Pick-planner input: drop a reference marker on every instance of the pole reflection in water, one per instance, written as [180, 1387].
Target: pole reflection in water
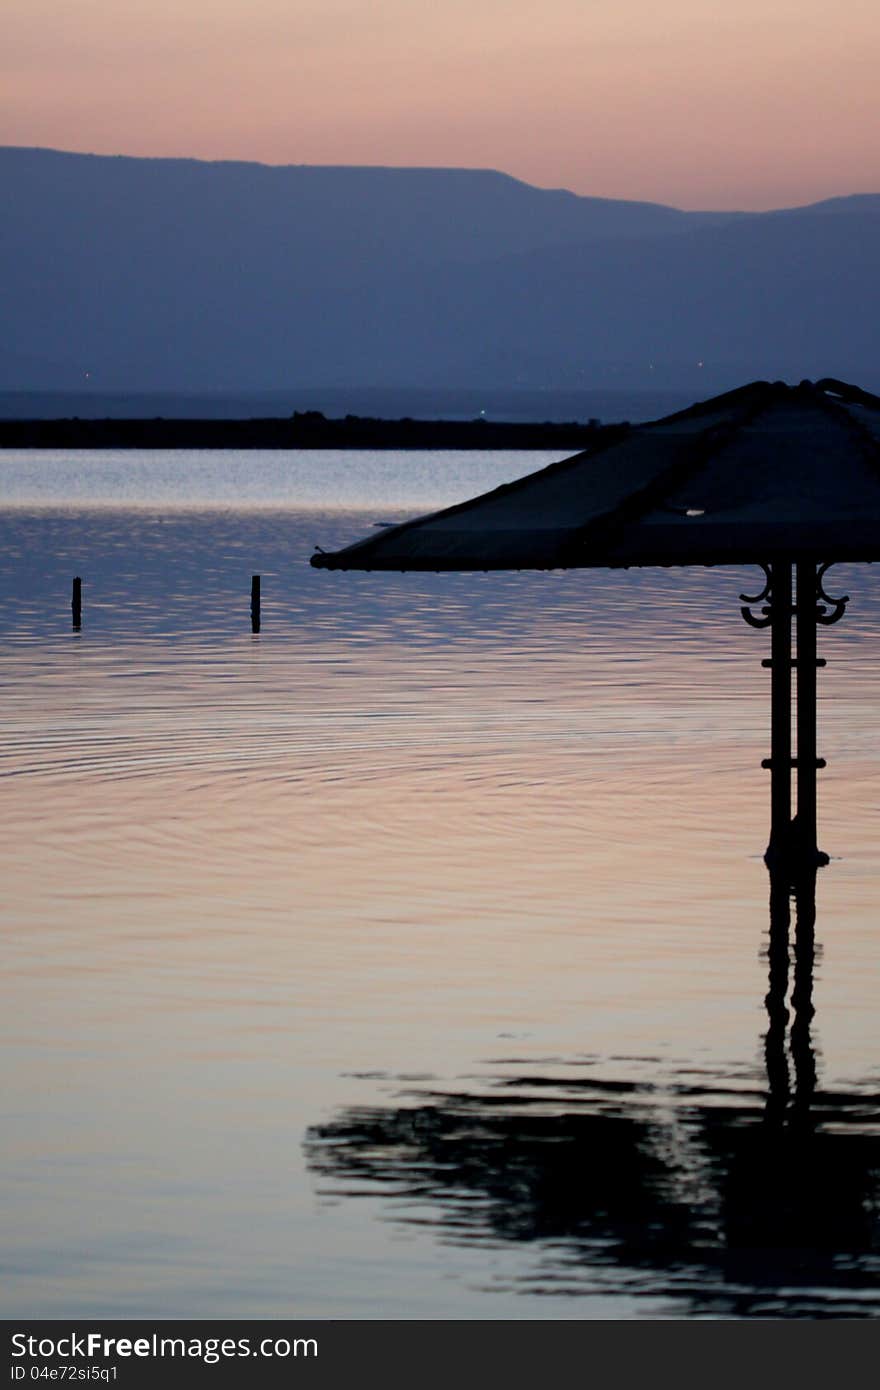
[781, 1042]
[713, 1197]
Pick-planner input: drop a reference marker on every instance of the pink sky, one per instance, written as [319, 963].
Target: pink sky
[698, 103]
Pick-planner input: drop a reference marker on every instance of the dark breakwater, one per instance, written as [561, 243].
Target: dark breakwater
[303, 430]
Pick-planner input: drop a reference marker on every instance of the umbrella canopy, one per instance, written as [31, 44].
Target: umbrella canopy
[764, 473]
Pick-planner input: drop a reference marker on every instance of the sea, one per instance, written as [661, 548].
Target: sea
[411, 953]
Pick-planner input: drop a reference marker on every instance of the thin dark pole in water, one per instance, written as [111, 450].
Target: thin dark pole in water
[76, 604]
[776, 613]
[780, 709]
[807, 832]
[255, 603]
[793, 843]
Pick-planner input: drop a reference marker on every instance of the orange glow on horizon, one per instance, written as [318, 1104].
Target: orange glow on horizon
[694, 105]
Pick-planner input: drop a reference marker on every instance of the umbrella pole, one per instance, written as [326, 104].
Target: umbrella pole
[814, 606]
[793, 843]
[780, 711]
[776, 614]
[804, 828]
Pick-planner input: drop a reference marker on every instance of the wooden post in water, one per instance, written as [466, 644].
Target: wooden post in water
[255, 603]
[76, 604]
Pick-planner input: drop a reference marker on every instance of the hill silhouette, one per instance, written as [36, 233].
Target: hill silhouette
[125, 274]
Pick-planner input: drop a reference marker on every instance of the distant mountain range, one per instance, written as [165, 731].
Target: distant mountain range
[121, 275]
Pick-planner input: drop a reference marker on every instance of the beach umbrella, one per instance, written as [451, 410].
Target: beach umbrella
[783, 477]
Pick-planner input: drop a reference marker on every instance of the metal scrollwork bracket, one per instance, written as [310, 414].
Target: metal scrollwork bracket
[836, 606]
[764, 598]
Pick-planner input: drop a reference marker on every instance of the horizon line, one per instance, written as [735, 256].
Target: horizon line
[444, 168]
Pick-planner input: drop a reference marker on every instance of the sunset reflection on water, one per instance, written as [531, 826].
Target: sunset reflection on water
[422, 836]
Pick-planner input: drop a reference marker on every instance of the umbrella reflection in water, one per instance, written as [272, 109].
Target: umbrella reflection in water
[725, 1198]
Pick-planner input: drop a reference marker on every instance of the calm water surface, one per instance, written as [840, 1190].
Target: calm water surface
[413, 957]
